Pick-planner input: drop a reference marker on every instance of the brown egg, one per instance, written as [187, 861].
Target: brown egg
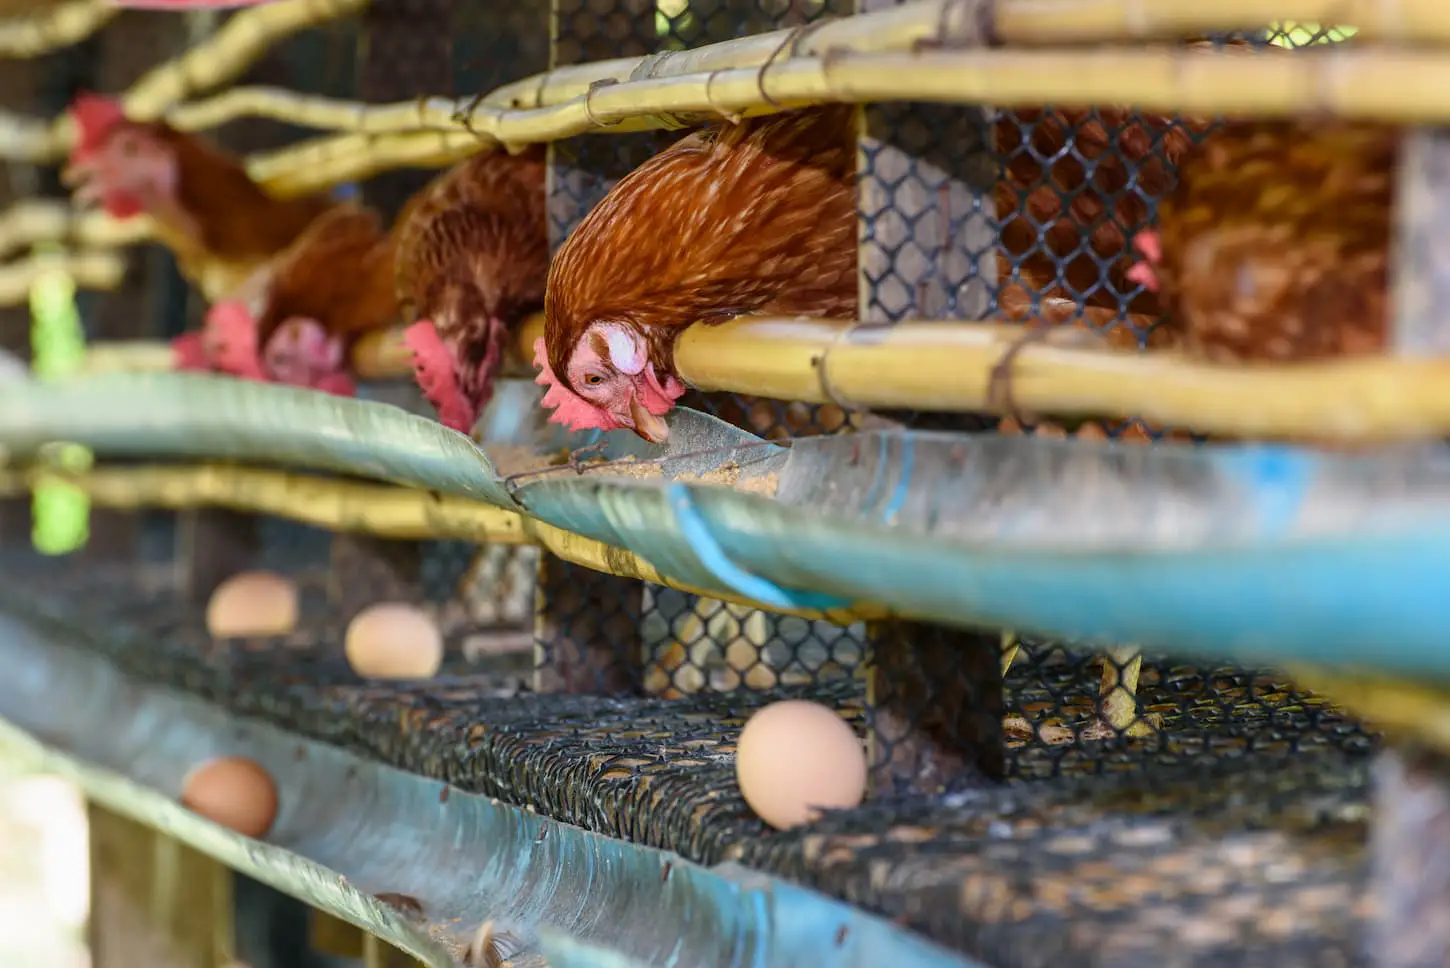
[393, 640]
[234, 792]
[796, 756]
[252, 603]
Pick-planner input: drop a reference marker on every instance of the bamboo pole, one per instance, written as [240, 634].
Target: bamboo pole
[64, 24]
[946, 366]
[128, 356]
[1094, 21]
[1409, 709]
[88, 269]
[234, 47]
[896, 29]
[377, 509]
[37, 220]
[939, 366]
[1368, 83]
[224, 55]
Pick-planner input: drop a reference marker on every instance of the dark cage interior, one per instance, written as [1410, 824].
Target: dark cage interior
[1033, 802]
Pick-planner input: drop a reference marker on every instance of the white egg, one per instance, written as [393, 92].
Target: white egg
[252, 603]
[795, 757]
[394, 640]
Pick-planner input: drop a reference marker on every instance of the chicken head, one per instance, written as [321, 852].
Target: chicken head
[301, 352]
[610, 384]
[116, 163]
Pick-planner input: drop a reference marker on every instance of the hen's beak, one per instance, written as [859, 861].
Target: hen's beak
[647, 425]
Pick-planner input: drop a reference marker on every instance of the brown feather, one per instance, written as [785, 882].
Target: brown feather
[1276, 241]
[224, 225]
[473, 245]
[757, 217]
[338, 272]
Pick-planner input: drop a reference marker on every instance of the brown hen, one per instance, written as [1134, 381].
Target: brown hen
[750, 218]
[328, 288]
[221, 226]
[1275, 244]
[472, 256]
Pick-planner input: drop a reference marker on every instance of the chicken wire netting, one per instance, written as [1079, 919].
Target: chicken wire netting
[963, 216]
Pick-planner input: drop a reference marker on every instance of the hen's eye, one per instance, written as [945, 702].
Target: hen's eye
[593, 379]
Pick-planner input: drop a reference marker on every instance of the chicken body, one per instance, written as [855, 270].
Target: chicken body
[1275, 245]
[472, 257]
[332, 285]
[750, 218]
[221, 226]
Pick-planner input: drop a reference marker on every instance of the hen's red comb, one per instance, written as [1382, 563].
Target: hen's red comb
[95, 116]
[1150, 247]
[434, 369]
[570, 409]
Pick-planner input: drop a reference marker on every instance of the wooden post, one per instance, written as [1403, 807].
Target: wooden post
[934, 695]
[365, 570]
[935, 705]
[333, 936]
[1410, 860]
[155, 903]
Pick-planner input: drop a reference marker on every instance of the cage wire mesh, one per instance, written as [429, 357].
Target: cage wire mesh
[958, 206]
[947, 228]
[1103, 165]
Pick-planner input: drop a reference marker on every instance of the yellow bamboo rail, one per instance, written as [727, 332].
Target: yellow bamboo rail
[897, 29]
[37, 220]
[947, 366]
[63, 24]
[377, 509]
[1398, 706]
[1364, 83]
[88, 269]
[224, 55]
